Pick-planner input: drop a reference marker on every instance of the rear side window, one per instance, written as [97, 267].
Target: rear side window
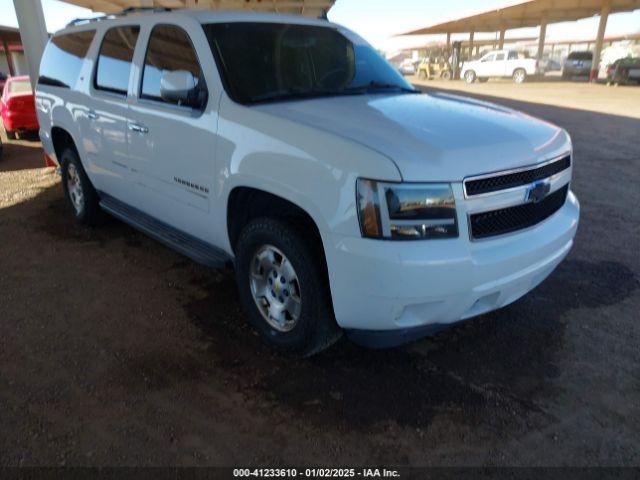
[114, 60]
[170, 49]
[63, 57]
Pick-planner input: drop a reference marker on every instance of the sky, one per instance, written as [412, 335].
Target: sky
[379, 21]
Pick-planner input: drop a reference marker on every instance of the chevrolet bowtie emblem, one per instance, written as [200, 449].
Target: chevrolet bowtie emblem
[537, 191]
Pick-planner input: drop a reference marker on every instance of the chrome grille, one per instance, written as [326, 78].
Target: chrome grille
[515, 178]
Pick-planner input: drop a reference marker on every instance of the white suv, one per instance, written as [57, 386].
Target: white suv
[346, 200]
[501, 63]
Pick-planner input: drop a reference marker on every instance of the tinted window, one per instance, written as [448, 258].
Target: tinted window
[580, 56]
[499, 57]
[169, 50]
[63, 57]
[275, 61]
[489, 58]
[114, 60]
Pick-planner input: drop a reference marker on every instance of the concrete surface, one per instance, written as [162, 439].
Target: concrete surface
[574, 95]
[117, 351]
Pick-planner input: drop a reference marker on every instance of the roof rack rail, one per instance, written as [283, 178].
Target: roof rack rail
[126, 11]
[129, 10]
[80, 21]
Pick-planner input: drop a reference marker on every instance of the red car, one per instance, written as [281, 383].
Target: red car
[18, 106]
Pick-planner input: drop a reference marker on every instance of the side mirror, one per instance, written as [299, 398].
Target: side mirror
[178, 86]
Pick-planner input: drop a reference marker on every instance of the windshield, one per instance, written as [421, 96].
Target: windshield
[262, 62]
[20, 86]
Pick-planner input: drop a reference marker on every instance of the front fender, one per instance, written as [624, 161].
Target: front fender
[311, 168]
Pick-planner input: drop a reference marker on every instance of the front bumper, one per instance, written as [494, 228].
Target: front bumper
[399, 288]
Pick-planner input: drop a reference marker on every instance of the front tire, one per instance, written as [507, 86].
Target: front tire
[519, 75]
[11, 135]
[469, 76]
[78, 189]
[283, 288]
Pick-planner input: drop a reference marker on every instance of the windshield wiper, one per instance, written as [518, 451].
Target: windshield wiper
[374, 86]
[357, 90]
[289, 95]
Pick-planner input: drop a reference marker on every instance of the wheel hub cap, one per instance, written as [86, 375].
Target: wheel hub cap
[275, 288]
[75, 188]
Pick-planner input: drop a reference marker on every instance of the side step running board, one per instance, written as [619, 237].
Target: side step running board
[184, 243]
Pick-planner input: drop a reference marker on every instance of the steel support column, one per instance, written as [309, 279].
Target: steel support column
[541, 38]
[595, 66]
[7, 53]
[471, 35]
[501, 42]
[33, 32]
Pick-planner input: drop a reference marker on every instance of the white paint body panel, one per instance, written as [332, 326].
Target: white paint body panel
[311, 153]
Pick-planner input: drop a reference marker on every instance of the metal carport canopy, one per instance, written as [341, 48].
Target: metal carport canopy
[311, 8]
[33, 28]
[528, 14]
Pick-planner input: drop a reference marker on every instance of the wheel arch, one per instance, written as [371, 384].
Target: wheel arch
[245, 203]
[61, 138]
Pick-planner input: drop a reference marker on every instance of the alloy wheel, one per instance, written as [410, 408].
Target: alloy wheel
[275, 288]
[74, 187]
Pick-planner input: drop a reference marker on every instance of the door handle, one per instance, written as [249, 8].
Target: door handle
[92, 115]
[134, 127]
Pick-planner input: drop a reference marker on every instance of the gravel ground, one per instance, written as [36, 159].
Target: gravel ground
[117, 351]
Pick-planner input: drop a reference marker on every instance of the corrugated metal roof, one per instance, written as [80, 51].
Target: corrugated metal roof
[527, 13]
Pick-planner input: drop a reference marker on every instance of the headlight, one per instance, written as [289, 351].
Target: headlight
[406, 211]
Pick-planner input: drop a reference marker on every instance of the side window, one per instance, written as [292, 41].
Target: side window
[489, 58]
[513, 56]
[170, 50]
[114, 60]
[63, 57]
[499, 57]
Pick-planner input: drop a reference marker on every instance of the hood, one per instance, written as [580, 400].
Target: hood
[432, 136]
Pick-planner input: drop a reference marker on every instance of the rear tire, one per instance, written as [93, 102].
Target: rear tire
[283, 288]
[469, 76]
[11, 135]
[446, 75]
[82, 197]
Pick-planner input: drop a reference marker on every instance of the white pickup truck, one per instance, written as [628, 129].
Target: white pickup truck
[501, 63]
[346, 199]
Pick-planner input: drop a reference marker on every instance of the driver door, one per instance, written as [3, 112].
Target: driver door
[172, 145]
[485, 66]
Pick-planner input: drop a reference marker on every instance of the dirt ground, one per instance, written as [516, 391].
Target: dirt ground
[117, 351]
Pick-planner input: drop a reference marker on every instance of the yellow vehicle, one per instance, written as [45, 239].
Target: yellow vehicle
[431, 68]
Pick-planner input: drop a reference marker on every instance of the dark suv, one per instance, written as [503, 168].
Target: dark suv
[577, 64]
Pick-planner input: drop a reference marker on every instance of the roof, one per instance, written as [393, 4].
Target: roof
[310, 8]
[527, 14]
[202, 16]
